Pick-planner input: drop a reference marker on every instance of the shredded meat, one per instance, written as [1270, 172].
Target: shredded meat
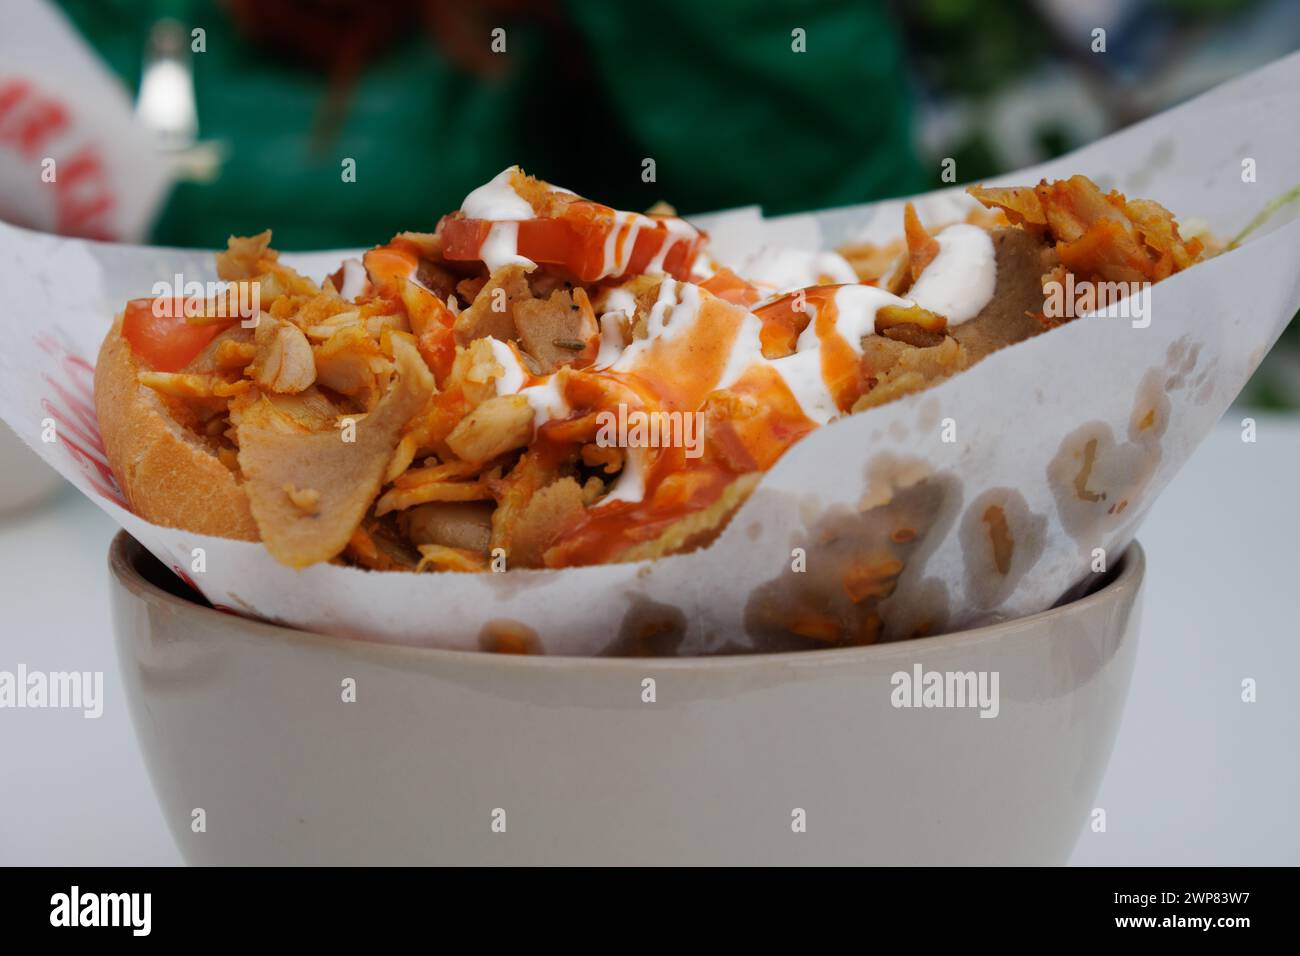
[1099, 236]
[245, 256]
[495, 427]
[559, 330]
[893, 369]
[492, 311]
[454, 524]
[389, 431]
[346, 475]
[1009, 317]
[548, 514]
[283, 361]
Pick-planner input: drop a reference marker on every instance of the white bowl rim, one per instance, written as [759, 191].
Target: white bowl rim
[1128, 576]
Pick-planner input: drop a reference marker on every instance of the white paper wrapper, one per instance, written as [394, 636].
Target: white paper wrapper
[1061, 443]
[73, 158]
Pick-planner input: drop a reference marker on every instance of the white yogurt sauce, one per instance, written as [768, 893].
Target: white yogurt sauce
[617, 255]
[546, 399]
[703, 268]
[679, 230]
[856, 307]
[618, 307]
[780, 269]
[673, 313]
[501, 248]
[957, 284]
[802, 374]
[513, 375]
[630, 485]
[497, 200]
[621, 242]
[960, 280]
[611, 339]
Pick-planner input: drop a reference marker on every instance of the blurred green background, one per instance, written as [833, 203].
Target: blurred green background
[587, 90]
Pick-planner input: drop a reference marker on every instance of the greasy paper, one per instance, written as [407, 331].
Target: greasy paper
[986, 497]
[73, 158]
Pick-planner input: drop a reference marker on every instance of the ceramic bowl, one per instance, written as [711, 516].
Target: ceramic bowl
[24, 479]
[269, 745]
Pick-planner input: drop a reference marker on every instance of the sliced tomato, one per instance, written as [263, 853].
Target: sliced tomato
[577, 242]
[163, 342]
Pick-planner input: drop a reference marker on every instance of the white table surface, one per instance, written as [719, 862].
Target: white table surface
[1197, 776]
